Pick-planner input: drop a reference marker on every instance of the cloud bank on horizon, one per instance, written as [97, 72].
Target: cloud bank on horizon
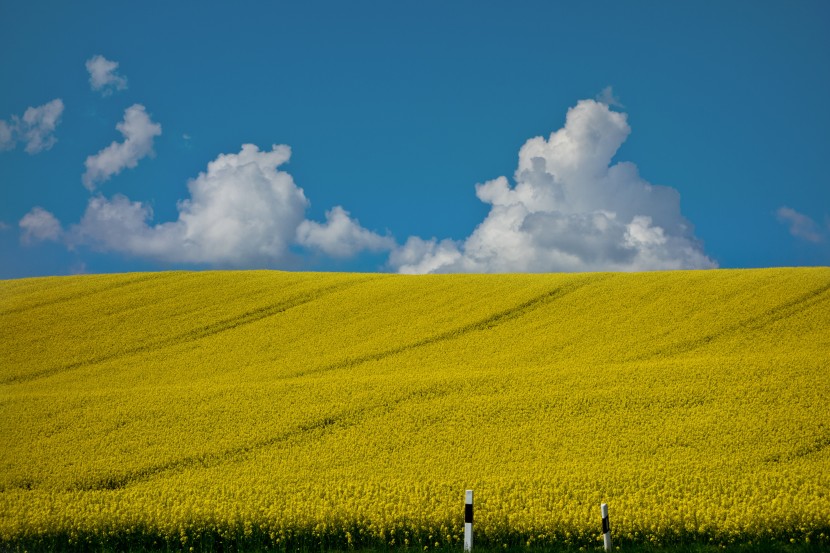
[570, 207]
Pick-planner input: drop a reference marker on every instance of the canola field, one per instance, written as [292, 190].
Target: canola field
[331, 411]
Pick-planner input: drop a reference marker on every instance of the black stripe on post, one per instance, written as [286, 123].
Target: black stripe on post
[606, 527]
[468, 513]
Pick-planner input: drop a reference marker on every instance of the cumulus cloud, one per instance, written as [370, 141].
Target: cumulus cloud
[570, 209]
[103, 77]
[39, 225]
[242, 212]
[341, 236]
[801, 226]
[35, 129]
[138, 131]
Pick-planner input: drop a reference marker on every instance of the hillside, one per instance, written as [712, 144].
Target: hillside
[342, 409]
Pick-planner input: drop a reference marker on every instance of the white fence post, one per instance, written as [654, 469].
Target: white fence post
[468, 521]
[606, 527]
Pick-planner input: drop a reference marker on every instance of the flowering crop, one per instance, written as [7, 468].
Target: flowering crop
[340, 410]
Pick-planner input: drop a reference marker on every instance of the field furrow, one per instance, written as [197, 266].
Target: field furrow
[489, 322]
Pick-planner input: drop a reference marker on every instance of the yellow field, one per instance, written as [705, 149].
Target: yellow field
[337, 409]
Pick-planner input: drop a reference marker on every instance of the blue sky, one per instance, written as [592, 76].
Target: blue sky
[413, 136]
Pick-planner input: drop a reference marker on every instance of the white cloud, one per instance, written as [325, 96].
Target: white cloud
[571, 209]
[801, 226]
[39, 225]
[138, 131]
[341, 236]
[242, 212]
[36, 128]
[103, 77]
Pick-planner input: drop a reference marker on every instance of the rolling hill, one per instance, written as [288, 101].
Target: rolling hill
[346, 410]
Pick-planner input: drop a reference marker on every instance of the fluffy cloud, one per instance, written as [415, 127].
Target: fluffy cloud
[36, 128]
[341, 236]
[103, 77]
[242, 212]
[801, 226]
[571, 209]
[138, 132]
[39, 225]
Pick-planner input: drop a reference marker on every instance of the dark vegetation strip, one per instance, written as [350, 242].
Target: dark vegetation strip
[757, 322]
[817, 446]
[196, 333]
[484, 324]
[239, 453]
[353, 540]
[207, 460]
[122, 283]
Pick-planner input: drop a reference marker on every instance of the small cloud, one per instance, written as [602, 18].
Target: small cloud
[607, 97]
[341, 236]
[39, 124]
[39, 225]
[186, 137]
[801, 226]
[103, 77]
[4, 226]
[138, 131]
[36, 128]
